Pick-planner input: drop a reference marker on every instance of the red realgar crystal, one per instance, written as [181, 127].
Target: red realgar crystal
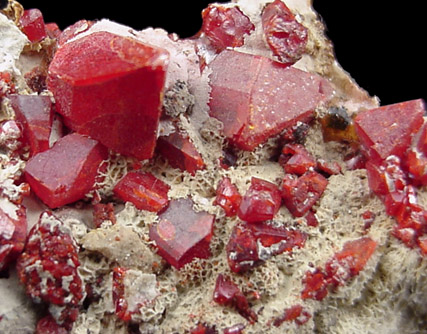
[286, 37]
[144, 190]
[296, 159]
[294, 313]
[256, 98]
[35, 114]
[110, 88]
[182, 234]
[66, 172]
[228, 197]
[32, 25]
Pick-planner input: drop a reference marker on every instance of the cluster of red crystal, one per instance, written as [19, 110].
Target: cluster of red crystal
[243, 250]
[7, 87]
[285, 36]
[228, 197]
[228, 293]
[32, 25]
[35, 114]
[225, 26]
[393, 139]
[180, 152]
[66, 172]
[256, 98]
[48, 268]
[144, 190]
[13, 233]
[294, 313]
[339, 269]
[110, 87]
[182, 234]
[48, 325]
[103, 212]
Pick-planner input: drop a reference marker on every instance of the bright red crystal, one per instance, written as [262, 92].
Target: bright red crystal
[6, 85]
[286, 37]
[180, 152]
[261, 202]
[225, 26]
[228, 293]
[316, 286]
[48, 267]
[228, 197]
[35, 114]
[388, 130]
[48, 325]
[110, 88]
[182, 234]
[13, 233]
[296, 159]
[66, 172]
[204, 329]
[294, 313]
[144, 190]
[53, 30]
[328, 168]
[256, 98]
[32, 25]
[300, 194]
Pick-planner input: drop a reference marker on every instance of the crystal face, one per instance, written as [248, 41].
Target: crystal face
[182, 234]
[228, 197]
[32, 25]
[66, 172]
[110, 88]
[256, 98]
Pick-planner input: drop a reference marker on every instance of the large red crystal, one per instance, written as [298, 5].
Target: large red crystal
[180, 152]
[144, 190]
[66, 172]
[228, 197]
[182, 234]
[388, 130]
[35, 114]
[256, 98]
[32, 25]
[228, 293]
[261, 202]
[13, 232]
[286, 37]
[225, 26]
[48, 267]
[110, 88]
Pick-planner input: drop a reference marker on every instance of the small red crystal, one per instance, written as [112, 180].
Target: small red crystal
[103, 212]
[294, 313]
[180, 152]
[182, 234]
[286, 37]
[35, 114]
[53, 30]
[203, 329]
[228, 197]
[48, 325]
[328, 168]
[236, 329]
[144, 190]
[261, 202]
[13, 233]
[66, 172]
[256, 98]
[300, 194]
[32, 25]
[315, 285]
[296, 159]
[225, 26]
[110, 88]
[228, 293]
[388, 130]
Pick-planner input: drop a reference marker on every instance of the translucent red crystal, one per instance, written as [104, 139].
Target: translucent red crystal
[49, 258]
[144, 190]
[35, 114]
[299, 194]
[261, 201]
[48, 325]
[296, 159]
[228, 197]
[66, 172]
[182, 234]
[202, 328]
[225, 26]
[32, 25]
[13, 233]
[245, 96]
[388, 130]
[285, 36]
[229, 294]
[110, 88]
[294, 313]
[180, 152]
[315, 285]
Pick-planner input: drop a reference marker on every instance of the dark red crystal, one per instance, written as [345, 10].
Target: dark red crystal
[35, 114]
[103, 212]
[66, 172]
[182, 234]
[32, 25]
[286, 37]
[228, 197]
[144, 190]
[296, 159]
[294, 313]
[110, 88]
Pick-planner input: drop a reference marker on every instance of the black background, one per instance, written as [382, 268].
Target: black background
[380, 43]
